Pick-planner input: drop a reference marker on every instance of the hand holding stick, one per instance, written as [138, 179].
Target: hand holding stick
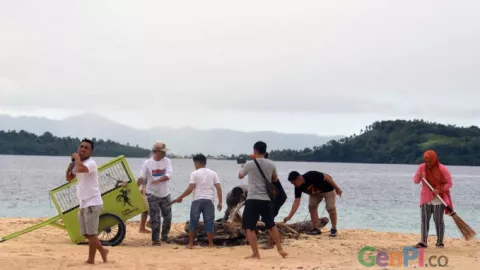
[467, 232]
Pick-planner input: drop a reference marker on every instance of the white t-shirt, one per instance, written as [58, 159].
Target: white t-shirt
[88, 188]
[204, 180]
[152, 170]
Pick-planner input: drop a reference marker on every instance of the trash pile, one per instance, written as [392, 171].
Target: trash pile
[230, 233]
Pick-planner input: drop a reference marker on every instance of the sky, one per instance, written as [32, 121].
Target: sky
[322, 67]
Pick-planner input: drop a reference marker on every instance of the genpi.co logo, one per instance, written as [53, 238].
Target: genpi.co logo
[369, 256]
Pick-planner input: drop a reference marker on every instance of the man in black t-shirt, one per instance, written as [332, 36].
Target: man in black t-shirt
[318, 186]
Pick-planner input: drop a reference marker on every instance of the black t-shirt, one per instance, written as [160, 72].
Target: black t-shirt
[314, 183]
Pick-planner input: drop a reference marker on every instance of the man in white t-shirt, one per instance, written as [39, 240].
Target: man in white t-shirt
[84, 168]
[156, 174]
[203, 182]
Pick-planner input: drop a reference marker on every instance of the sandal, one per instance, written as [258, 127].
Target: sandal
[440, 245]
[420, 245]
[314, 232]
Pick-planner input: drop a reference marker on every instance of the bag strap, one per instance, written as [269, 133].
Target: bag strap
[260, 169]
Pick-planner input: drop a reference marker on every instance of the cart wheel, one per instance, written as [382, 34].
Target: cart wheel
[112, 230]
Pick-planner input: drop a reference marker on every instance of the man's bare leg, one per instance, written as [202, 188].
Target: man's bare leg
[103, 251]
[333, 218]
[143, 222]
[210, 240]
[93, 245]
[92, 249]
[252, 240]
[314, 216]
[191, 236]
[275, 235]
[270, 243]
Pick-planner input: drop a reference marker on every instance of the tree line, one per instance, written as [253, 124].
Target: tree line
[394, 142]
[25, 143]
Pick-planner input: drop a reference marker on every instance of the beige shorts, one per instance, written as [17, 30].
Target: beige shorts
[315, 200]
[88, 219]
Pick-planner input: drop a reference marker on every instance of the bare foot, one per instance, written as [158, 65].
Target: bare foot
[189, 246]
[253, 257]
[90, 262]
[283, 253]
[144, 231]
[212, 246]
[104, 254]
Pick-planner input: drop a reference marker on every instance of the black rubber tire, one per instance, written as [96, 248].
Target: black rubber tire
[120, 234]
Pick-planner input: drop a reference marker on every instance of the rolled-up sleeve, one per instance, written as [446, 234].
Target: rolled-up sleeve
[92, 166]
[143, 174]
[143, 171]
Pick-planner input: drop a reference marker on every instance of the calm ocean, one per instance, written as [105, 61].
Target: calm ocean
[377, 197]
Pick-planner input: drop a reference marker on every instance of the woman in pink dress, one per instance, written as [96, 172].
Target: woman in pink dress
[441, 180]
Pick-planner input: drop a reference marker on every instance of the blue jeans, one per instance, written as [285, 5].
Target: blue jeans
[205, 207]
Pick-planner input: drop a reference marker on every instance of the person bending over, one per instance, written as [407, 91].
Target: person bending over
[237, 195]
[318, 186]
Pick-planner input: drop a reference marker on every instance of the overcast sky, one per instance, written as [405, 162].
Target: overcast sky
[325, 67]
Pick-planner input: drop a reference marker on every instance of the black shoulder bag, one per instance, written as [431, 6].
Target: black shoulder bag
[271, 188]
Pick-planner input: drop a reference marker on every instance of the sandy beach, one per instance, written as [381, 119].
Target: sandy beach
[51, 248]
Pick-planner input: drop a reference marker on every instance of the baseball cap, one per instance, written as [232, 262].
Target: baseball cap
[159, 145]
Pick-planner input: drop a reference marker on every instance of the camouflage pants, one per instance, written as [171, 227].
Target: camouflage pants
[159, 206]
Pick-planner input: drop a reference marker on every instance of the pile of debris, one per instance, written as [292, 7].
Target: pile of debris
[230, 233]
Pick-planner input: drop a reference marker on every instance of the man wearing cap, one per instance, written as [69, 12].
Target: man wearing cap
[156, 172]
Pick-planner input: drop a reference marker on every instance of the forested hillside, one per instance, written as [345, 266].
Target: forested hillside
[25, 143]
[396, 142]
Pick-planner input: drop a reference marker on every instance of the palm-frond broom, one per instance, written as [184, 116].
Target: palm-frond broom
[467, 232]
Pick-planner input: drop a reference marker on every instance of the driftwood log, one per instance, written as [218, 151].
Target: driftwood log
[231, 233]
[306, 226]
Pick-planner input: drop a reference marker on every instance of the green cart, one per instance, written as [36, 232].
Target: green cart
[121, 197]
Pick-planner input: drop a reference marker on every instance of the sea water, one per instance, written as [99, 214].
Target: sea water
[379, 197]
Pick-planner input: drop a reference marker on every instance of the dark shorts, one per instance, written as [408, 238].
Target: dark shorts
[275, 209]
[254, 209]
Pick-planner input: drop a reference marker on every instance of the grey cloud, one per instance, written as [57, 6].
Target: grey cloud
[365, 57]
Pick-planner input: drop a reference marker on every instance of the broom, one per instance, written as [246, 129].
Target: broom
[467, 232]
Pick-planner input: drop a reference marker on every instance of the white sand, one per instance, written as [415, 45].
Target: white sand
[51, 248]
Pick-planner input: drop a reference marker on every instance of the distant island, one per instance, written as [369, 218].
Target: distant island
[182, 141]
[393, 142]
[396, 142]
